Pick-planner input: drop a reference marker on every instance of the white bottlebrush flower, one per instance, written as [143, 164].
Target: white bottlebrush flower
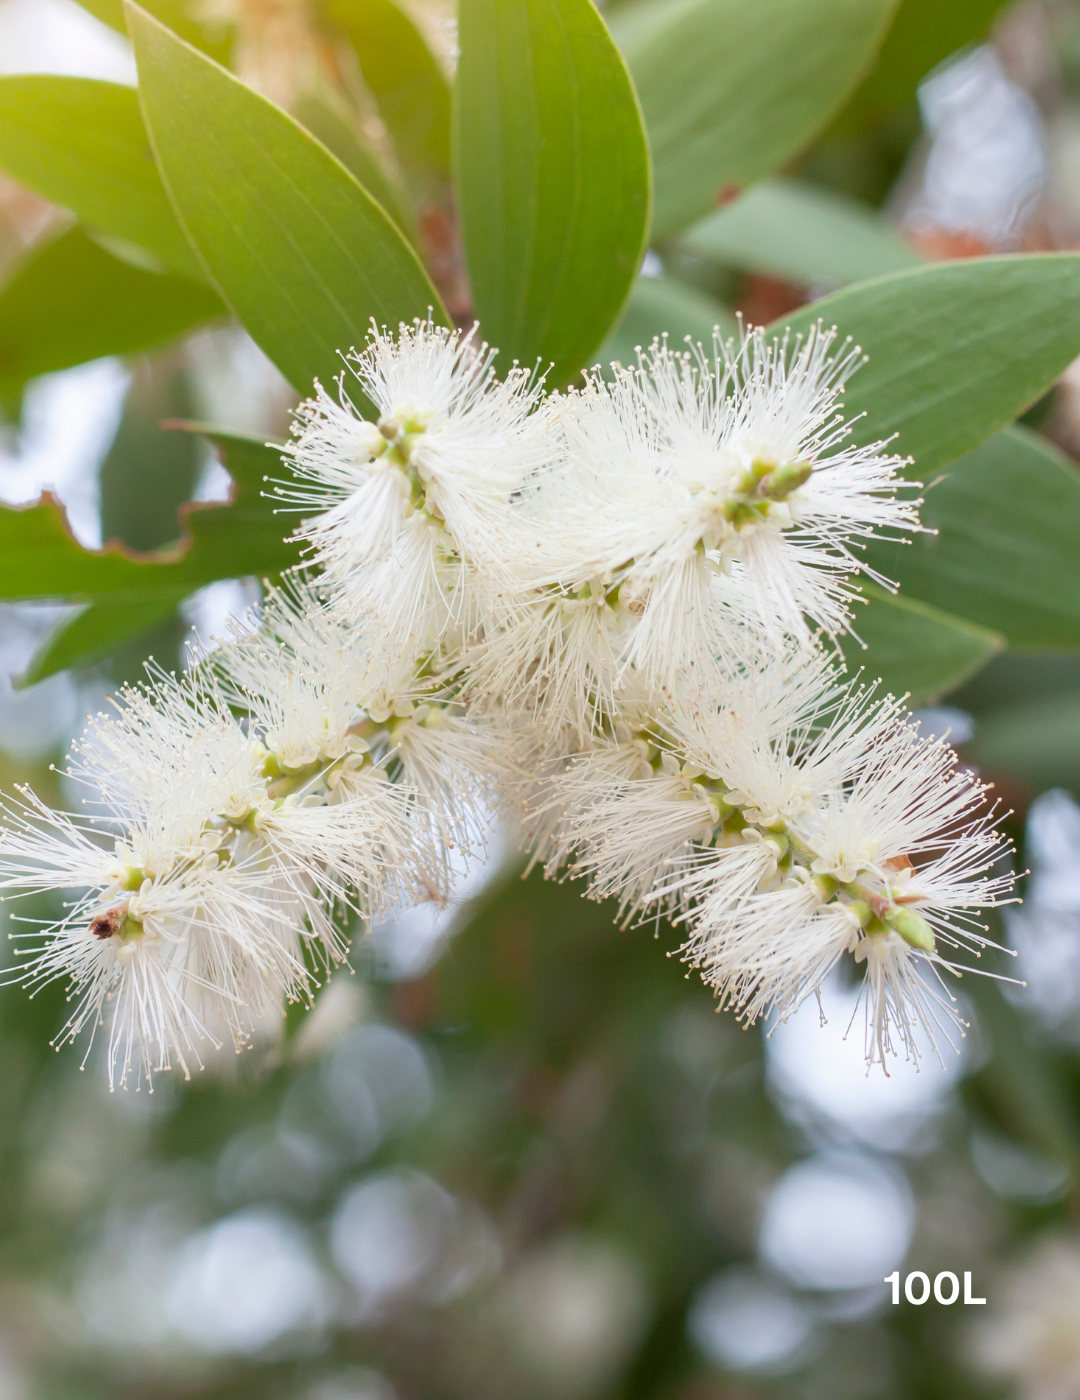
[562, 769]
[623, 820]
[626, 831]
[700, 494]
[328, 703]
[401, 512]
[207, 889]
[598, 611]
[552, 660]
[902, 848]
[164, 937]
[325, 832]
[763, 935]
[793, 820]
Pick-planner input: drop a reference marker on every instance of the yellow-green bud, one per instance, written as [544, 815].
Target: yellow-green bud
[271, 767]
[780, 840]
[911, 927]
[130, 928]
[781, 481]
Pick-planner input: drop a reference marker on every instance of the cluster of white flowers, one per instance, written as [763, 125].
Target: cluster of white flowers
[609, 613]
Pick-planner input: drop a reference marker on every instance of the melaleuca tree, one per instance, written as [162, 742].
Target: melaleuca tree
[643, 556]
[555, 540]
[610, 611]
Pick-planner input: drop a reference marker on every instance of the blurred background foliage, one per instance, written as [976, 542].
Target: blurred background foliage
[515, 1153]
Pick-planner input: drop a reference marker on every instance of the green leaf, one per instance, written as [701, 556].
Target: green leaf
[131, 592]
[149, 473]
[923, 33]
[213, 36]
[325, 116]
[95, 632]
[303, 255]
[732, 89]
[552, 173]
[74, 302]
[1036, 743]
[664, 305]
[39, 559]
[801, 232]
[914, 648]
[405, 79]
[1023, 1080]
[82, 144]
[1006, 554]
[1017, 677]
[957, 350]
[110, 12]
[247, 537]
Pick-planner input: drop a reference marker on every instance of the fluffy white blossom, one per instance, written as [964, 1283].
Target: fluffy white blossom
[553, 660]
[402, 512]
[595, 612]
[692, 496]
[790, 821]
[322, 690]
[207, 890]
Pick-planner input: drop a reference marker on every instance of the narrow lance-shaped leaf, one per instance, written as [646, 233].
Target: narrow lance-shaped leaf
[209, 34]
[149, 474]
[915, 649]
[801, 232]
[82, 144]
[1004, 553]
[242, 538]
[956, 351]
[96, 631]
[304, 256]
[405, 79]
[552, 174]
[323, 114]
[731, 90]
[923, 33]
[40, 560]
[73, 301]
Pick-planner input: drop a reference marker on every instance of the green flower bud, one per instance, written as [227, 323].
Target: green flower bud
[781, 481]
[780, 840]
[911, 927]
[130, 928]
